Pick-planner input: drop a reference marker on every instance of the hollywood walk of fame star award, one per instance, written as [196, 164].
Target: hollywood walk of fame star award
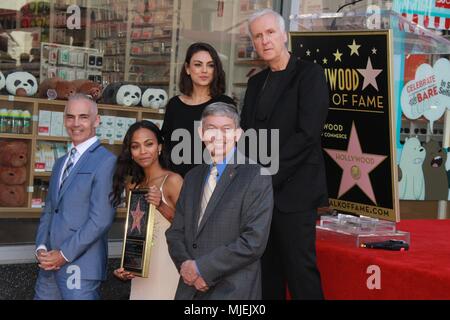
[358, 137]
[137, 241]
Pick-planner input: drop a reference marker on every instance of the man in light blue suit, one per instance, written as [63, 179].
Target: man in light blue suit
[72, 238]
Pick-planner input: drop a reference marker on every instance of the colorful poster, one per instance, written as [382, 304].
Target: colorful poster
[358, 137]
[434, 14]
[424, 99]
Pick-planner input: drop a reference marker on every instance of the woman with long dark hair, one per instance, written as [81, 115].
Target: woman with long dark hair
[141, 164]
[202, 82]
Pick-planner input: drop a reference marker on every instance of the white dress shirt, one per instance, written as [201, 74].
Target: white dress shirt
[81, 149]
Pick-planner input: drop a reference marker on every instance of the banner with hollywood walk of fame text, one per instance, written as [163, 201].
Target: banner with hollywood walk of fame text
[358, 137]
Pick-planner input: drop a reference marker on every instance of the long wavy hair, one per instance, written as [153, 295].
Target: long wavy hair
[126, 167]
[217, 85]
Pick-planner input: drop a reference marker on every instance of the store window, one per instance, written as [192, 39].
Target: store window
[108, 42]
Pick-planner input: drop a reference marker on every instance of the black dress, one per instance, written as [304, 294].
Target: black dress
[180, 115]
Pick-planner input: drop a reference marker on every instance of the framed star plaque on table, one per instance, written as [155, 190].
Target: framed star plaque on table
[358, 138]
[138, 234]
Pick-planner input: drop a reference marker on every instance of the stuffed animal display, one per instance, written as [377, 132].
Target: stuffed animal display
[13, 153]
[89, 87]
[154, 98]
[12, 196]
[57, 88]
[2, 81]
[13, 173]
[21, 83]
[131, 95]
[122, 94]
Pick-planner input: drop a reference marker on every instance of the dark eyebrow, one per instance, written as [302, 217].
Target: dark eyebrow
[80, 115]
[210, 61]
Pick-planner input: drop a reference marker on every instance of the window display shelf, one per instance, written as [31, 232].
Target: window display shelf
[52, 138]
[43, 150]
[38, 174]
[19, 213]
[16, 136]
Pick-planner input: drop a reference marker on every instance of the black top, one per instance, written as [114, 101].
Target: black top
[272, 83]
[298, 108]
[179, 115]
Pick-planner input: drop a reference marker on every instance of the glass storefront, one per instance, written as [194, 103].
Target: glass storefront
[142, 42]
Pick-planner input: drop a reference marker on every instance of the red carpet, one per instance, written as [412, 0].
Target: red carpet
[423, 272]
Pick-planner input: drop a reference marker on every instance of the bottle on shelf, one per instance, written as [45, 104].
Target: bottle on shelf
[16, 121]
[7, 122]
[26, 118]
[3, 120]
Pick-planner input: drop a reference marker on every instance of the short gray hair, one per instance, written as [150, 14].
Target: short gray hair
[222, 109]
[257, 14]
[83, 97]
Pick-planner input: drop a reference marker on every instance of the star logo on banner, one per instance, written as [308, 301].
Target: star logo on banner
[137, 215]
[354, 48]
[337, 56]
[325, 60]
[308, 53]
[374, 50]
[356, 166]
[370, 74]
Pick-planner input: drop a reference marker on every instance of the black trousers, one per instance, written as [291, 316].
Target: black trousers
[290, 257]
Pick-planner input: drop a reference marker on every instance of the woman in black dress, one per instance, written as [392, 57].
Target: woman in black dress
[202, 82]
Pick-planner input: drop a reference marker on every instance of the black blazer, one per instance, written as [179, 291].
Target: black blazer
[299, 110]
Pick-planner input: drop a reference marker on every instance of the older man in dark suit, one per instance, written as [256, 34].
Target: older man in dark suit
[222, 217]
[291, 96]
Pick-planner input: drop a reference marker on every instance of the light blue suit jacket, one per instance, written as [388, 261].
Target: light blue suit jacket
[77, 218]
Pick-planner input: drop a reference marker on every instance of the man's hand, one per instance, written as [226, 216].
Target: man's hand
[201, 285]
[52, 260]
[188, 272]
[40, 254]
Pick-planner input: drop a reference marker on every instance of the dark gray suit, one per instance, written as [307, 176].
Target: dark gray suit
[232, 236]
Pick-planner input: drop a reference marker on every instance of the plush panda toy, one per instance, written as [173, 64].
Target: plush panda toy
[2, 81]
[20, 83]
[154, 98]
[122, 94]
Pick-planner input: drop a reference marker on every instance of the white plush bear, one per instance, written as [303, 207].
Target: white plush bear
[2, 81]
[154, 98]
[21, 83]
[412, 183]
[128, 95]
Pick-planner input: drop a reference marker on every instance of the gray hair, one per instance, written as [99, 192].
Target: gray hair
[83, 97]
[222, 109]
[257, 14]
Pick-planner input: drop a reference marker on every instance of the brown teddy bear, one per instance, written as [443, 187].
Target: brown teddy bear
[14, 153]
[12, 196]
[13, 176]
[89, 87]
[46, 86]
[56, 88]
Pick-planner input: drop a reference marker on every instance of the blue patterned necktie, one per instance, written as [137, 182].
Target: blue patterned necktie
[69, 166]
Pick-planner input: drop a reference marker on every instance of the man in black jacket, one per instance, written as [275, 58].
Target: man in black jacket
[291, 95]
